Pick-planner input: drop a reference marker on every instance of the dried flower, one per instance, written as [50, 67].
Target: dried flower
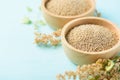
[54, 41]
[26, 20]
[29, 9]
[97, 14]
[57, 33]
[109, 65]
[103, 69]
[47, 39]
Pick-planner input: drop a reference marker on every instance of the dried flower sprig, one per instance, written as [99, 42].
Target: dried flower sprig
[48, 39]
[26, 20]
[52, 39]
[103, 69]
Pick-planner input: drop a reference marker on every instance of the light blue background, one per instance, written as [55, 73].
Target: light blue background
[20, 59]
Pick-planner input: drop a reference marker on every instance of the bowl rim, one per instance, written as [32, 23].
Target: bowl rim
[43, 7]
[65, 42]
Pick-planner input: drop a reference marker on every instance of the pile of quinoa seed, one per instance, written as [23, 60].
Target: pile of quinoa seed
[68, 7]
[91, 38]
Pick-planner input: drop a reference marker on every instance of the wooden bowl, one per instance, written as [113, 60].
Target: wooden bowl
[81, 57]
[57, 21]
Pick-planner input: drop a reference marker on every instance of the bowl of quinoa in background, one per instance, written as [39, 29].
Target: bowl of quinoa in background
[87, 39]
[58, 12]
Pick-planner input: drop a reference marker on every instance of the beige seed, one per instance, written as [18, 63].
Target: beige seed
[91, 38]
[68, 7]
